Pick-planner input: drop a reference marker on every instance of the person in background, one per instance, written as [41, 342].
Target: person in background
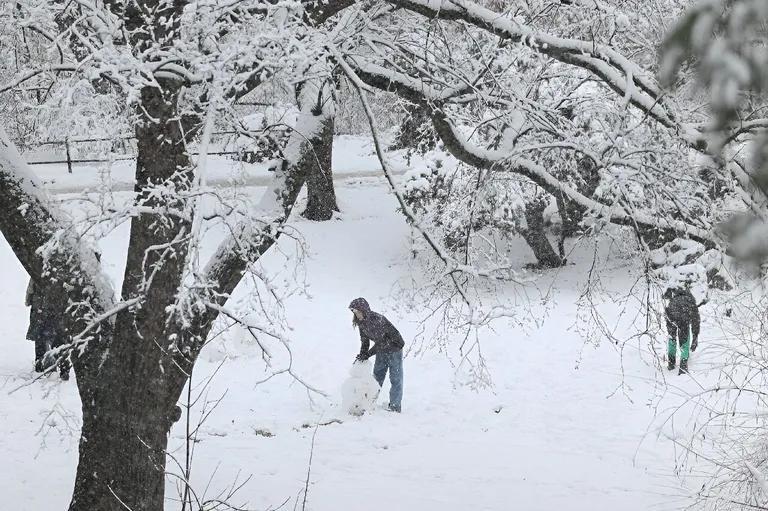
[387, 348]
[683, 325]
[46, 328]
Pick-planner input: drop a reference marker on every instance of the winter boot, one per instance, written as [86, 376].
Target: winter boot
[683, 366]
[671, 364]
[393, 408]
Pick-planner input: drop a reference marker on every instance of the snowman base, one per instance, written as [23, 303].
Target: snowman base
[360, 391]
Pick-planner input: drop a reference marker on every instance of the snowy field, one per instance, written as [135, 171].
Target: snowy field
[555, 431]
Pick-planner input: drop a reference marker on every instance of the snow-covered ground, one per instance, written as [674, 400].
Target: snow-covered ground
[550, 434]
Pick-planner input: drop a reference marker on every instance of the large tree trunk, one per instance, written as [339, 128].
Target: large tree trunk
[122, 460]
[129, 400]
[321, 195]
[125, 426]
[536, 237]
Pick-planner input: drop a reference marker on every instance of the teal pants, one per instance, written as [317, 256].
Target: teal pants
[685, 344]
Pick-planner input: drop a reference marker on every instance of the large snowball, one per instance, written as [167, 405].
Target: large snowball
[360, 390]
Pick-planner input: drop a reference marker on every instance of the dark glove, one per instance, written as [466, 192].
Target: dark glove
[361, 358]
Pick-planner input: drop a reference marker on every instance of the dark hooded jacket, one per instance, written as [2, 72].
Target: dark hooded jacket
[375, 327]
[45, 321]
[682, 312]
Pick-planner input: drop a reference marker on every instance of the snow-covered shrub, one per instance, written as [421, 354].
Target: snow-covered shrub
[677, 253]
[718, 266]
[424, 185]
[687, 261]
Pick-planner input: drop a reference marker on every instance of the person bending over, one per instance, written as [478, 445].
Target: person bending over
[387, 348]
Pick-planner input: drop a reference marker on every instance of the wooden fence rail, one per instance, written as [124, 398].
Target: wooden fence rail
[70, 161]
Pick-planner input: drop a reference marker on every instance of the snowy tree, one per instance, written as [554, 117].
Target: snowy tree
[177, 66]
[534, 114]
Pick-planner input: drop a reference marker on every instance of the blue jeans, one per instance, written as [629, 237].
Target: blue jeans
[393, 362]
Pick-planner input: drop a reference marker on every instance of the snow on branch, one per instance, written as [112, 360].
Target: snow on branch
[388, 75]
[318, 12]
[466, 152]
[69, 68]
[256, 234]
[762, 482]
[498, 160]
[618, 72]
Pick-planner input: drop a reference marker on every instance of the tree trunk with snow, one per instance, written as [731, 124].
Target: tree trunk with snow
[571, 212]
[122, 460]
[535, 235]
[125, 425]
[314, 133]
[321, 195]
[129, 397]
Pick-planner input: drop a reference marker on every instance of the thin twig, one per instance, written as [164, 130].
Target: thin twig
[309, 467]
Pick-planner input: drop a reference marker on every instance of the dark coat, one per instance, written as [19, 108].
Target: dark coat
[45, 321]
[375, 327]
[682, 313]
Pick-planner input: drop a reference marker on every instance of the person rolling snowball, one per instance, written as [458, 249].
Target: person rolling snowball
[387, 348]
